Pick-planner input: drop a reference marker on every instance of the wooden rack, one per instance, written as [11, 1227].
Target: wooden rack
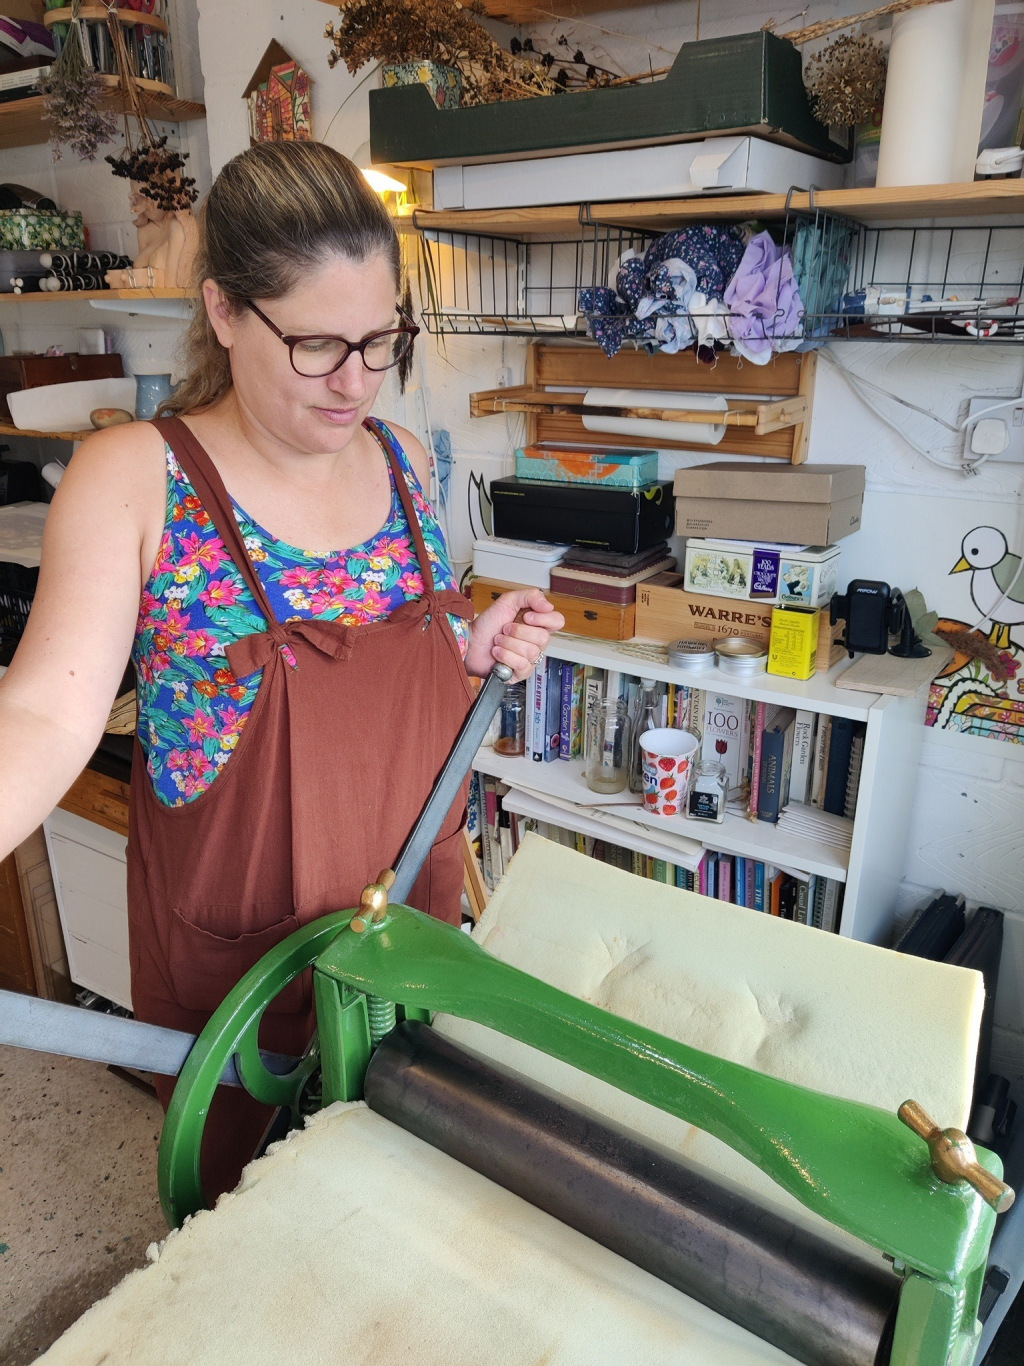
[768, 414]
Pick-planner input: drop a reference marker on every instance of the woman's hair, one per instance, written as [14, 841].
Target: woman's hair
[273, 213]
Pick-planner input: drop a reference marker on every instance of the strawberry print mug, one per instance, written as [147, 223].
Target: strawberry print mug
[668, 759]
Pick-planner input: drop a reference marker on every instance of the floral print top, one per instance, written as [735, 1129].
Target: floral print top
[192, 708]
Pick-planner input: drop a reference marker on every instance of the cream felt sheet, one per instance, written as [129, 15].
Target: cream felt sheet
[813, 1008]
[356, 1244]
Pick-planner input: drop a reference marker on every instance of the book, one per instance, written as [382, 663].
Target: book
[749, 895]
[553, 709]
[725, 877]
[739, 870]
[802, 902]
[821, 748]
[803, 757]
[778, 730]
[565, 717]
[788, 898]
[853, 776]
[757, 718]
[539, 709]
[758, 886]
[838, 769]
[775, 902]
[830, 905]
[576, 722]
[726, 736]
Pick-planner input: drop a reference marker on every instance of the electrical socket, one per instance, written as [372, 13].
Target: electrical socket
[1013, 420]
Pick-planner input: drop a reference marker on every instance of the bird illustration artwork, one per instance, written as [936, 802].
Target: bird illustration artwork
[994, 570]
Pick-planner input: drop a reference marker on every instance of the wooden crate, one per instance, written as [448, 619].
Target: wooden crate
[583, 616]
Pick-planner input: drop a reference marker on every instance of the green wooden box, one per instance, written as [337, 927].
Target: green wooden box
[747, 83]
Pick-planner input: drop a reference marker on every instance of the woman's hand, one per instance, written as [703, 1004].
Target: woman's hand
[496, 635]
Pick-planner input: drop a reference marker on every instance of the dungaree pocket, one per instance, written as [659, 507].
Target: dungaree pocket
[204, 966]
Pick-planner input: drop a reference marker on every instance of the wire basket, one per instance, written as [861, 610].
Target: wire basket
[17, 589]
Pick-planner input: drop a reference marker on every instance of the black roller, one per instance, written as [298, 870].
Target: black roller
[821, 1305]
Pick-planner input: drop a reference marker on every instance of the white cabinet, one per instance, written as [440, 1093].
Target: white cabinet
[866, 853]
[90, 878]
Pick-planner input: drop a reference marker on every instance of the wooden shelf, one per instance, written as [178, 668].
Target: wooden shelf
[536, 11]
[22, 123]
[66, 296]
[98, 14]
[762, 417]
[977, 199]
[9, 429]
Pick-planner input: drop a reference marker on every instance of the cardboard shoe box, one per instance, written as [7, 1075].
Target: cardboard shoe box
[799, 504]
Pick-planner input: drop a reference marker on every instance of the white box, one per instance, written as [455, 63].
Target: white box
[712, 166]
[524, 562]
[756, 571]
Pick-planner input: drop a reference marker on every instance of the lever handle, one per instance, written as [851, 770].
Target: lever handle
[954, 1158]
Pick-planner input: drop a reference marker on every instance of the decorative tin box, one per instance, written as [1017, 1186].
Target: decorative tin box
[573, 465]
[32, 230]
[802, 576]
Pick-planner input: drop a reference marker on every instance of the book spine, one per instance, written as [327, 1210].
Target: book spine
[565, 719]
[817, 898]
[553, 710]
[724, 878]
[853, 777]
[702, 875]
[802, 903]
[637, 864]
[759, 886]
[576, 725]
[803, 756]
[756, 753]
[821, 749]
[751, 870]
[540, 684]
[740, 876]
[776, 893]
[830, 906]
[769, 796]
[838, 765]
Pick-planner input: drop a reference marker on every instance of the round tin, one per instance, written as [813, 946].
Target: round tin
[695, 654]
[741, 656]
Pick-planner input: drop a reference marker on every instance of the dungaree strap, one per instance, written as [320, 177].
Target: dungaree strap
[204, 478]
[377, 430]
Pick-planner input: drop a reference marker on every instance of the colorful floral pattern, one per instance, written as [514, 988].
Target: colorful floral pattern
[192, 708]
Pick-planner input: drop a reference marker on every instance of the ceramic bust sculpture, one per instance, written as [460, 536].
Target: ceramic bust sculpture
[167, 247]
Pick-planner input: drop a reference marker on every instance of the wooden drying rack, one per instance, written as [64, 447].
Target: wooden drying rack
[768, 414]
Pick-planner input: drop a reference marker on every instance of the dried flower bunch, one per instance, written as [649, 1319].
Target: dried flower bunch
[73, 99]
[158, 173]
[447, 31]
[846, 80]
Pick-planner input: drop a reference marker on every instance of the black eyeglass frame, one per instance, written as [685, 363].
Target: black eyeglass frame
[408, 328]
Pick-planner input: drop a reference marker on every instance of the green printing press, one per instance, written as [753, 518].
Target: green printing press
[921, 1196]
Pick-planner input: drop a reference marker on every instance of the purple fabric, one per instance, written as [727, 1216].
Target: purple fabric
[763, 300]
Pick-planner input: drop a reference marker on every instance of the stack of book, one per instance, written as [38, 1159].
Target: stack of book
[760, 886]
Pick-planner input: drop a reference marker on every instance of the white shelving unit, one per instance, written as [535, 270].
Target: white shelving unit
[866, 853]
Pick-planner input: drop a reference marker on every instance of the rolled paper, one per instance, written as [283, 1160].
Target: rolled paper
[654, 429]
[935, 93]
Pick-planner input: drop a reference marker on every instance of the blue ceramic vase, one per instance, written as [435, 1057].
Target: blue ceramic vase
[150, 392]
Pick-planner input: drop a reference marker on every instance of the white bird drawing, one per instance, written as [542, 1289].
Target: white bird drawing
[993, 570]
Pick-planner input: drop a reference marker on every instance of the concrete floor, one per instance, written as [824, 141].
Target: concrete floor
[78, 1202]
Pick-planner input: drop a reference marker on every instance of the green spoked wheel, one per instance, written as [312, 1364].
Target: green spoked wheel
[233, 1032]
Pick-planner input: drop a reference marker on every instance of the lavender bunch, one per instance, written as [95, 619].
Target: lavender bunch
[74, 103]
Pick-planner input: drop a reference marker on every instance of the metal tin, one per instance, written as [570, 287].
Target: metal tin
[742, 656]
[696, 654]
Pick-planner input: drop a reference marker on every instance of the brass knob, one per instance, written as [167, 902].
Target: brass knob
[954, 1158]
[373, 902]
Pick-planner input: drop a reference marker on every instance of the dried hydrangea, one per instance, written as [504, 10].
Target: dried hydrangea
[157, 171]
[846, 80]
[73, 105]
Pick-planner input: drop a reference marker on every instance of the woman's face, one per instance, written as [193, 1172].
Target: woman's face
[339, 299]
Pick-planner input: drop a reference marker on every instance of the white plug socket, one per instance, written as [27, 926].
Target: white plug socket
[997, 434]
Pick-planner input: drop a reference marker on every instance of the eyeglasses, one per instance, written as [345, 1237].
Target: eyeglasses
[315, 357]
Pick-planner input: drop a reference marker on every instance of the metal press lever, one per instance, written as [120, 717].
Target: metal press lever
[954, 1158]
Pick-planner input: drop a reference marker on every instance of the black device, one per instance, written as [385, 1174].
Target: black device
[873, 612]
[624, 521]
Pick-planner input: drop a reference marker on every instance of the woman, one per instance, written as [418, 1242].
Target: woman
[295, 705]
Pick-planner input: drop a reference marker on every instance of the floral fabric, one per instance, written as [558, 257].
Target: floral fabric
[192, 708]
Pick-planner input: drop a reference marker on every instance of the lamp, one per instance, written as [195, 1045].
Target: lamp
[383, 178]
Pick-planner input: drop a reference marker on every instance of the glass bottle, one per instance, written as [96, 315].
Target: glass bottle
[647, 718]
[709, 792]
[608, 746]
[512, 735]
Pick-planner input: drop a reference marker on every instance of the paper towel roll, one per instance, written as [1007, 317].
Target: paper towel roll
[654, 429]
[934, 93]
